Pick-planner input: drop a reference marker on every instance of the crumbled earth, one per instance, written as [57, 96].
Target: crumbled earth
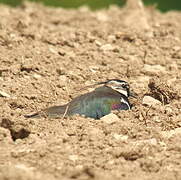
[48, 54]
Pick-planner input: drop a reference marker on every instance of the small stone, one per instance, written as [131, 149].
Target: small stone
[73, 157]
[120, 137]
[176, 48]
[156, 119]
[110, 118]
[36, 76]
[52, 50]
[152, 141]
[107, 47]
[153, 69]
[111, 38]
[71, 54]
[111, 162]
[150, 101]
[61, 52]
[4, 94]
[94, 69]
[63, 78]
[98, 43]
[24, 167]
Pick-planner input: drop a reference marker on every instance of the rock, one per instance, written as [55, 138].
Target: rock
[98, 43]
[150, 101]
[4, 94]
[111, 38]
[152, 142]
[71, 54]
[107, 47]
[24, 167]
[63, 78]
[52, 50]
[73, 157]
[62, 52]
[157, 119]
[176, 48]
[94, 69]
[120, 137]
[110, 118]
[154, 69]
[36, 76]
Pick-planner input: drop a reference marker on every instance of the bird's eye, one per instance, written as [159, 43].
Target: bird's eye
[125, 86]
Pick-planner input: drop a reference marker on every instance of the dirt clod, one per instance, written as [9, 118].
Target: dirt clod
[161, 91]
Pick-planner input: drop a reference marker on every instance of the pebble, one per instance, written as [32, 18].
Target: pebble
[4, 94]
[157, 119]
[73, 157]
[98, 43]
[107, 47]
[154, 69]
[176, 48]
[37, 76]
[110, 118]
[150, 101]
[24, 167]
[120, 137]
[52, 50]
[111, 38]
[151, 141]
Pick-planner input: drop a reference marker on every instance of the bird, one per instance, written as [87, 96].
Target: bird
[112, 95]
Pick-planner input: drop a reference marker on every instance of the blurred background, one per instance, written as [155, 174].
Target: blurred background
[163, 5]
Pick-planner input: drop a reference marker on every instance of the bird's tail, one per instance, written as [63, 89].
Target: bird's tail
[52, 112]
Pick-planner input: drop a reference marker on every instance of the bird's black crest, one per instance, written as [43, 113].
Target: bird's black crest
[118, 80]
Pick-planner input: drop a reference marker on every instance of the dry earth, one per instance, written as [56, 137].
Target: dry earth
[47, 54]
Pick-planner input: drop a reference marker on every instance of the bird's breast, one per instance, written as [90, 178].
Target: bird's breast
[115, 106]
[120, 106]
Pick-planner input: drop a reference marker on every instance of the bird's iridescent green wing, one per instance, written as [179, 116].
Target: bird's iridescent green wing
[95, 104]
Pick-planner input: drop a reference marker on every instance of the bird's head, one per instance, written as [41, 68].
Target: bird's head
[119, 86]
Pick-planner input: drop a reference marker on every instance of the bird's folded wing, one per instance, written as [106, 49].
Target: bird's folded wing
[54, 111]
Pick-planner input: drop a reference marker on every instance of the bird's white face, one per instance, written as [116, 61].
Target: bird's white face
[120, 86]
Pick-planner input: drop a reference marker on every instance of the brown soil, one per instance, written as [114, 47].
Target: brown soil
[47, 54]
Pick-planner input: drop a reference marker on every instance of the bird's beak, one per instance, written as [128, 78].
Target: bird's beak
[133, 94]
